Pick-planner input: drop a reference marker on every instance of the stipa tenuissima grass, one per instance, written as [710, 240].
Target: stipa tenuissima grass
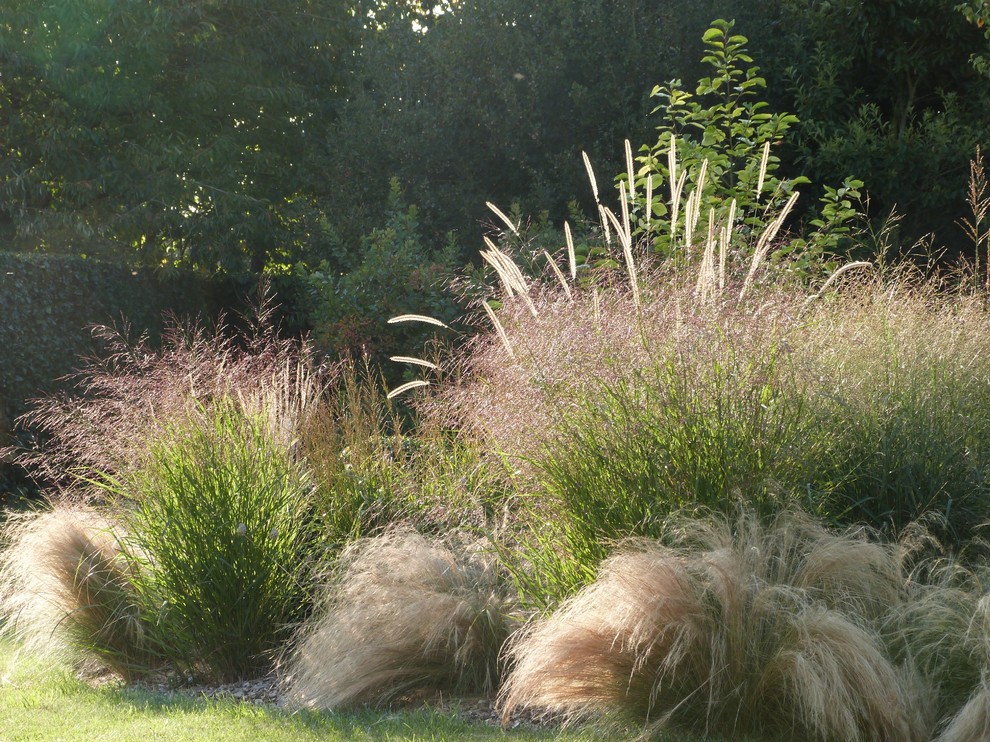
[734, 628]
[406, 616]
[66, 587]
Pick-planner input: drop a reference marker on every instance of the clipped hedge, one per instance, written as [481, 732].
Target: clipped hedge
[49, 302]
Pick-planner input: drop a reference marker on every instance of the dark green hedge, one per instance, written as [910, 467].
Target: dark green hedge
[48, 303]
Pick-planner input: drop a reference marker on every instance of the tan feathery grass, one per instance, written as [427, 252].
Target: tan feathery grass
[65, 587]
[942, 626]
[732, 629]
[973, 720]
[406, 616]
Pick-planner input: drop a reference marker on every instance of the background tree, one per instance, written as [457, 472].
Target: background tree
[495, 101]
[183, 132]
[884, 91]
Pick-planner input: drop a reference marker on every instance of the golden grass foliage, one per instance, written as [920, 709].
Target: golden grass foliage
[64, 587]
[406, 616]
[733, 628]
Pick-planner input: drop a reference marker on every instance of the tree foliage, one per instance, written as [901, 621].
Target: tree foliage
[182, 132]
[718, 143]
[885, 92]
[495, 101]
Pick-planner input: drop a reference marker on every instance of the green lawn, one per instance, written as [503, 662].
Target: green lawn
[38, 703]
[43, 703]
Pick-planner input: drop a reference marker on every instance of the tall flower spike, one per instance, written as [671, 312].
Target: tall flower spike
[571, 256]
[499, 329]
[560, 276]
[591, 175]
[631, 172]
[501, 215]
[417, 318]
[764, 161]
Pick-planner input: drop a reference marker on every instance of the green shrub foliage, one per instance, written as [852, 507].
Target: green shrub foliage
[718, 144]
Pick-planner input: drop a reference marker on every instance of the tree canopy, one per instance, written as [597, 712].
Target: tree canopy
[241, 136]
[184, 132]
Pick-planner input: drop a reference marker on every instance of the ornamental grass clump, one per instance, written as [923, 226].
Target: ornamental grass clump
[66, 589]
[942, 624]
[898, 378]
[192, 454]
[406, 616]
[218, 524]
[973, 720]
[730, 629]
[867, 406]
[121, 398]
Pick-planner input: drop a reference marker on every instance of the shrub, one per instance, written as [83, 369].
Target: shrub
[899, 380]
[406, 616]
[396, 274]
